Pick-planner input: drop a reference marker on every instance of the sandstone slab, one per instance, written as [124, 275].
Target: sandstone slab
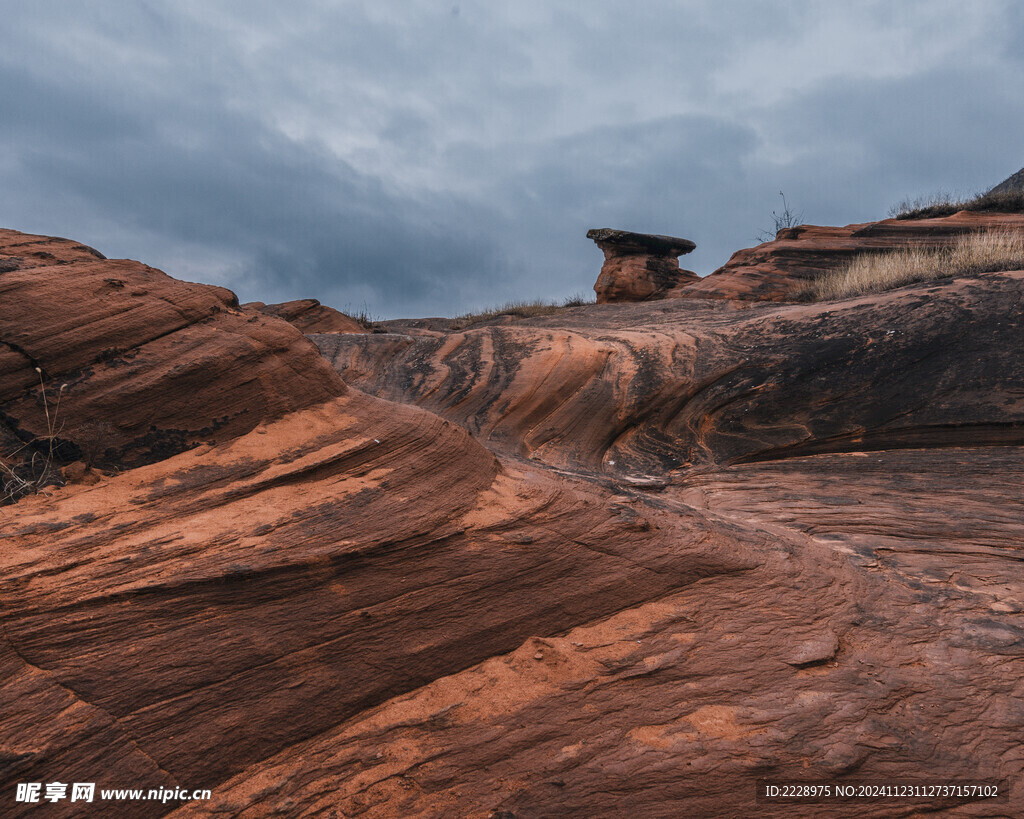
[144, 365]
[626, 560]
[309, 316]
[777, 270]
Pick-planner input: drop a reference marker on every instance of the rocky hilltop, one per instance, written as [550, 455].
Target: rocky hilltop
[625, 559]
[1012, 183]
[777, 270]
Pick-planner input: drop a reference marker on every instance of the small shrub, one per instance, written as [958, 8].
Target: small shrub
[22, 475]
[362, 316]
[972, 253]
[786, 219]
[577, 300]
[941, 203]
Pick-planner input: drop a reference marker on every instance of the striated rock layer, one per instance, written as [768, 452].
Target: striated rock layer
[623, 560]
[149, 365]
[308, 315]
[776, 270]
[667, 389]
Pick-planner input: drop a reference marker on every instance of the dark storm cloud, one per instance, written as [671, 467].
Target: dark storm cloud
[943, 130]
[416, 161]
[297, 219]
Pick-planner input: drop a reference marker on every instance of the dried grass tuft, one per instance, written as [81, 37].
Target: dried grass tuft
[973, 253]
[520, 309]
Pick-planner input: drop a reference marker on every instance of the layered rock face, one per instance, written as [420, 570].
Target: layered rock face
[870, 446]
[149, 365]
[775, 271]
[623, 560]
[666, 389]
[639, 266]
[308, 315]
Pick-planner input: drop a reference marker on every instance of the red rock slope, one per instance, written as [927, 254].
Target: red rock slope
[775, 270]
[308, 315]
[152, 365]
[680, 548]
[666, 389]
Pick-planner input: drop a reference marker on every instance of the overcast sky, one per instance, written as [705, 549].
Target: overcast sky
[416, 157]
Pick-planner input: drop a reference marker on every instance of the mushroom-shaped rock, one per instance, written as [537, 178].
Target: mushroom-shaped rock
[639, 266]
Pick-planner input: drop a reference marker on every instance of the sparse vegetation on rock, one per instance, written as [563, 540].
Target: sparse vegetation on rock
[945, 204]
[31, 467]
[786, 218]
[519, 309]
[971, 254]
[1006, 197]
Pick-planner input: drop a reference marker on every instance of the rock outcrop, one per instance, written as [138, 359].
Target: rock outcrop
[309, 316]
[639, 266]
[144, 365]
[611, 561]
[669, 388]
[777, 270]
[1012, 184]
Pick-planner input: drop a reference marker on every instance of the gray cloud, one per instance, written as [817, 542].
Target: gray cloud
[416, 161]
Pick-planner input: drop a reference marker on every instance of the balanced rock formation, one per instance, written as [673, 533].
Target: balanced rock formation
[778, 270]
[309, 316]
[639, 266]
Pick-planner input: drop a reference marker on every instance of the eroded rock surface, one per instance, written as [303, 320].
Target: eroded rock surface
[667, 388]
[777, 270]
[149, 365]
[623, 560]
[639, 266]
[182, 621]
[308, 315]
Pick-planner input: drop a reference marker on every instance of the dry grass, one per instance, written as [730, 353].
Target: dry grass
[362, 316]
[973, 253]
[519, 309]
[22, 475]
[944, 204]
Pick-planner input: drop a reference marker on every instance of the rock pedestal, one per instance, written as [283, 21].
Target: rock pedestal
[639, 266]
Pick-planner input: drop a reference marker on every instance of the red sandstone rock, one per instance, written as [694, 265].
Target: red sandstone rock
[240, 598]
[775, 271]
[667, 388]
[639, 266]
[614, 561]
[677, 706]
[309, 315]
[151, 365]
